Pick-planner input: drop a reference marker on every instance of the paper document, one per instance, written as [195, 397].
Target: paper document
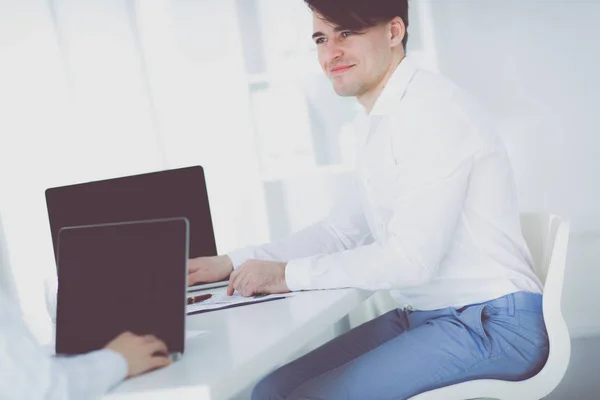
[221, 300]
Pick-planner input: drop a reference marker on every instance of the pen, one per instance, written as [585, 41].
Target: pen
[197, 299]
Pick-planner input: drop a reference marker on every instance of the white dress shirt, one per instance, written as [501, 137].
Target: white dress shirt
[434, 215]
[27, 372]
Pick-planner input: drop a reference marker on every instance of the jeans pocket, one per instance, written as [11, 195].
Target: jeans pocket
[475, 318]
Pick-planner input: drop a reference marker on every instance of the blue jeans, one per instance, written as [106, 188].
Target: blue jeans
[403, 353]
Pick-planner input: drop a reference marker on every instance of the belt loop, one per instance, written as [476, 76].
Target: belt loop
[511, 304]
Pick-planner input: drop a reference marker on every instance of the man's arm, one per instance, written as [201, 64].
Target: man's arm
[419, 232]
[87, 376]
[28, 372]
[345, 228]
[430, 186]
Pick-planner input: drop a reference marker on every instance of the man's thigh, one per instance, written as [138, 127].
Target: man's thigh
[362, 339]
[442, 351]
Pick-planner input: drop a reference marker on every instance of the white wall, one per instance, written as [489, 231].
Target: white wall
[534, 64]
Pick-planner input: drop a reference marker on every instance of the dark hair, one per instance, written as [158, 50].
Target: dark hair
[361, 14]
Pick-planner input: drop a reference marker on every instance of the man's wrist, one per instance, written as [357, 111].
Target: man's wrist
[227, 264]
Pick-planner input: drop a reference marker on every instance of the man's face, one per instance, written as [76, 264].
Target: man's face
[354, 61]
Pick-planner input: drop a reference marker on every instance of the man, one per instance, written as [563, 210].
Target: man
[434, 219]
[28, 373]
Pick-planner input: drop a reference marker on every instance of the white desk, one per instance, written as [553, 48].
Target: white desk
[235, 347]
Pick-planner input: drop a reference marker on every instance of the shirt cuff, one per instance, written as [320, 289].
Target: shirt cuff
[114, 365]
[238, 257]
[93, 374]
[297, 274]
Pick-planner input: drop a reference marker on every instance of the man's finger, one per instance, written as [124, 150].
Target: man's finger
[231, 287]
[192, 267]
[159, 362]
[158, 345]
[242, 287]
[251, 289]
[193, 279]
[239, 280]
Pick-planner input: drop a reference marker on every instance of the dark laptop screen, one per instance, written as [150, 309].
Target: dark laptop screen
[121, 277]
[164, 194]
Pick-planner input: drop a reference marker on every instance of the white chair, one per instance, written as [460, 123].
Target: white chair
[547, 238]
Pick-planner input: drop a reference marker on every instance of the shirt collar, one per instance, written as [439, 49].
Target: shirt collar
[395, 87]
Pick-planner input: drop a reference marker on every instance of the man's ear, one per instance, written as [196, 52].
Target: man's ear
[397, 31]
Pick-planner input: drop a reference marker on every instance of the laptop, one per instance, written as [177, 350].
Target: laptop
[170, 193]
[139, 270]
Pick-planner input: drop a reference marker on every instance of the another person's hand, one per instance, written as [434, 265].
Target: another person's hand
[209, 269]
[142, 353]
[257, 277]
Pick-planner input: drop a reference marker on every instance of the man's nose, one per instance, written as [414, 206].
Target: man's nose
[333, 51]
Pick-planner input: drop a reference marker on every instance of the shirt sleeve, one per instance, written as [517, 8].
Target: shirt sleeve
[419, 232]
[344, 229]
[430, 186]
[29, 372]
[91, 375]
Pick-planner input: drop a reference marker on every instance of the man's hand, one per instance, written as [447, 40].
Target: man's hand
[209, 269]
[256, 276]
[142, 353]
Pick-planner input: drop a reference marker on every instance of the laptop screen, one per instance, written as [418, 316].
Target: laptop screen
[164, 194]
[121, 277]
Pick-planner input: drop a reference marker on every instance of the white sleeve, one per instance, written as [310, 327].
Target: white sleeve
[345, 228]
[91, 375]
[27, 372]
[421, 228]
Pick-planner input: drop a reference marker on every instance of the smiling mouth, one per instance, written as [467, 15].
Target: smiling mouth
[341, 70]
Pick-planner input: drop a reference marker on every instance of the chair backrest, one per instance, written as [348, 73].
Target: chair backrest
[547, 238]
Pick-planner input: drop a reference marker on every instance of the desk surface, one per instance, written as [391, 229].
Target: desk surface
[229, 350]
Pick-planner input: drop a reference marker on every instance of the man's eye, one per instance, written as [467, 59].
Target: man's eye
[347, 33]
[320, 40]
